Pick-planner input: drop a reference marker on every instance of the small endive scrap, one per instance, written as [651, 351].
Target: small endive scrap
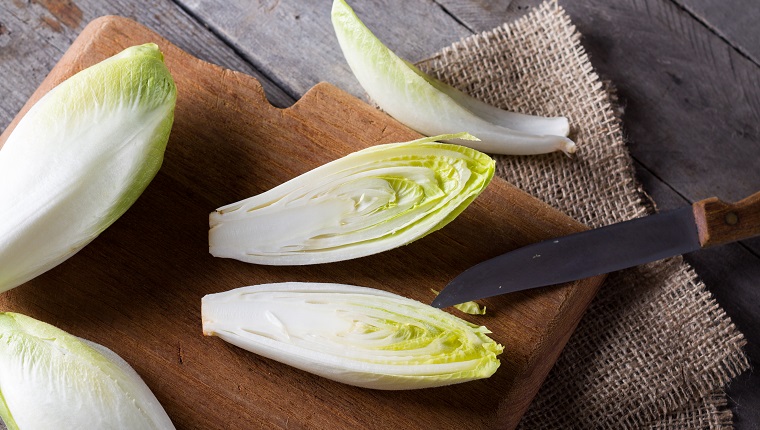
[50, 379]
[367, 202]
[79, 158]
[355, 335]
[432, 107]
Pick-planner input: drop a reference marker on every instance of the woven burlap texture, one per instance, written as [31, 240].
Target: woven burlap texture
[654, 350]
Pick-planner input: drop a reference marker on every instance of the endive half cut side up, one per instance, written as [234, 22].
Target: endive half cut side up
[355, 335]
[79, 158]
[50, 379]
[367, 202]
[432, 107]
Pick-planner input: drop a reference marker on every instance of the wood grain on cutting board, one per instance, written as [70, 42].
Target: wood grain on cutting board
[137, 288]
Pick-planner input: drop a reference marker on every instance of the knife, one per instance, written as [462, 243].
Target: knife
[706, 223]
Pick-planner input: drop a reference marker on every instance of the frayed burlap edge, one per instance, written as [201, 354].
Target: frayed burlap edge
[654, 349]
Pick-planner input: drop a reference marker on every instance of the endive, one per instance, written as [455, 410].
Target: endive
[359, 336]
[50, 379]
[79, 158]
[367, 202]
[471, 307]
[432, 107]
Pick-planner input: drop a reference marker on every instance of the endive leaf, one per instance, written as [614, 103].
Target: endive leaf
[471, 307]
[50, 379]
[370, 201]
[354, 335]
[79, 158]
[432, 107]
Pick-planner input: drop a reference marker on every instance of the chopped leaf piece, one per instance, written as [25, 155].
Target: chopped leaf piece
[471, 308]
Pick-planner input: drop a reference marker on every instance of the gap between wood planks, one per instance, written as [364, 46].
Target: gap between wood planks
[454, 17]
[713, 30]
[293, 97]
[274, 79]
[189, 12]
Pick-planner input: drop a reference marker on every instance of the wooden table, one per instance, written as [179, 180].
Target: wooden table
[687, 73]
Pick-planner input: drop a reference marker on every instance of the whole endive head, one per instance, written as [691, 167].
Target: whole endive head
[79, 159]
[50, 379]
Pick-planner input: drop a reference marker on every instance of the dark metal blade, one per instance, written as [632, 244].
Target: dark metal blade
[576, 256]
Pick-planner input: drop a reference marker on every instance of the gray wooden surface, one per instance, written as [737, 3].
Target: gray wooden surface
[687, 72]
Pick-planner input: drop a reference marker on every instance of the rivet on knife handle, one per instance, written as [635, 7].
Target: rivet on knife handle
[719, 222]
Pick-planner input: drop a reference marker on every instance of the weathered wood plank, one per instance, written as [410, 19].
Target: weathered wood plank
[294, 42]
[484, 15]
[34, 35]
[692, 102]
[691, 115]
[733, 20]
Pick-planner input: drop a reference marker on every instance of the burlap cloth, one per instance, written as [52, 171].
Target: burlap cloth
[654, 349]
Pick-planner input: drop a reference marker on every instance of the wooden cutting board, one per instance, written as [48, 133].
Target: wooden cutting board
[137, 288]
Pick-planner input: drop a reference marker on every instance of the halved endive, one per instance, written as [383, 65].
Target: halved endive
[79, 158]
[367, 202]
[432, 107]
[359, 336]
[50, 379]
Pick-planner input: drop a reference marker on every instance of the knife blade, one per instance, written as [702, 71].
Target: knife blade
[708, 222]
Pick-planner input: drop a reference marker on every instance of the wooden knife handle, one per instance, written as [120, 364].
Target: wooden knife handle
[719, 222]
